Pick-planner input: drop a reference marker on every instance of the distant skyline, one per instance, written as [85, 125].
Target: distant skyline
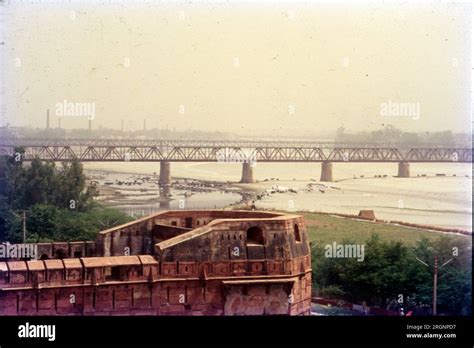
[249, 69]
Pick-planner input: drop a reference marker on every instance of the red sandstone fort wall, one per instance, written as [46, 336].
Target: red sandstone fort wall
[144, 286]
[189, 271]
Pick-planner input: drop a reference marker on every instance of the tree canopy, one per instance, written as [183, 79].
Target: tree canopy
[390, 272]
[58, 204]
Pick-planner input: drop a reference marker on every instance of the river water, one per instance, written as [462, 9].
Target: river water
[429, 199]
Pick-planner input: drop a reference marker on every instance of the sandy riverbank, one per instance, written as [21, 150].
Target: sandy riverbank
[431, 200]
[138, 194]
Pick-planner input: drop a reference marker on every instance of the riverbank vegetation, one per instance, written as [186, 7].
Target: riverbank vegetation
[54, 201]
[392, 274]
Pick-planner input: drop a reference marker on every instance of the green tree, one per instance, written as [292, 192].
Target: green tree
[72, 190]
[42, 222]
[391, 269]
[58, 205]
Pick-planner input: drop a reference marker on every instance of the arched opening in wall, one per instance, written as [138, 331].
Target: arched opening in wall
[297, 233]
[255, 236]
[188, 222]
[44, 257]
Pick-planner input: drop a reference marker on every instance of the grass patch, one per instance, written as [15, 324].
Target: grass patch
[325, 229]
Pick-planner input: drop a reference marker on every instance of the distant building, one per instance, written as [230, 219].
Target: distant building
[170, 263]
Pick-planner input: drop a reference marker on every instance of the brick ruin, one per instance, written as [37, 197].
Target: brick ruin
[170, 263]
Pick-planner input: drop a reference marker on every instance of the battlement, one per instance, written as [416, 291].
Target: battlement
[38, 274]
[256, 264]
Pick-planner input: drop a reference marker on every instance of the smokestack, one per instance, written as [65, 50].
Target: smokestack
[59, 122]
[144, 124]
[90, 125]
[122, 125]
[47, 119]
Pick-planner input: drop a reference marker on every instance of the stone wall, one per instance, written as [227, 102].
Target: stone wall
[226, 263]
[65, 250]
[126, 285]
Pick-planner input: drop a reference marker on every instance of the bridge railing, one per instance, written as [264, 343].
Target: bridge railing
[220, 153]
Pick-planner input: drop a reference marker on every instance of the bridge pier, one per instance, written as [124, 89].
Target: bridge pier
[165, 173]
[403, 170]
[164, 181]
[247, 174]
[165, 204]
[326, 171]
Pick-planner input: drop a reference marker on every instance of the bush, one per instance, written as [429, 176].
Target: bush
[333, 292]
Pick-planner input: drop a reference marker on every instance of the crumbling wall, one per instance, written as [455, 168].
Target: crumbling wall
[257, 300]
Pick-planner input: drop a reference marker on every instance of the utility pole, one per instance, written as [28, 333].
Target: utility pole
[435, 279]
[23, 222]
[24, 226]
[435, 283]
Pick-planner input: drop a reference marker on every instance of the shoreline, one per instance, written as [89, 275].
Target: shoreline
[341, 197]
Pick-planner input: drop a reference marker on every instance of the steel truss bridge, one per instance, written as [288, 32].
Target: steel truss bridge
[135, 150]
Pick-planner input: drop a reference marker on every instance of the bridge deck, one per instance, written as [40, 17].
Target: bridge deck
[228, 151]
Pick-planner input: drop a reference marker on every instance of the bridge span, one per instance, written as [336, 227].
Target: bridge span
[246, 152]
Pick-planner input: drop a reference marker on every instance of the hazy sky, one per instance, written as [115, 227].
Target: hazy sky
[246, 68]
